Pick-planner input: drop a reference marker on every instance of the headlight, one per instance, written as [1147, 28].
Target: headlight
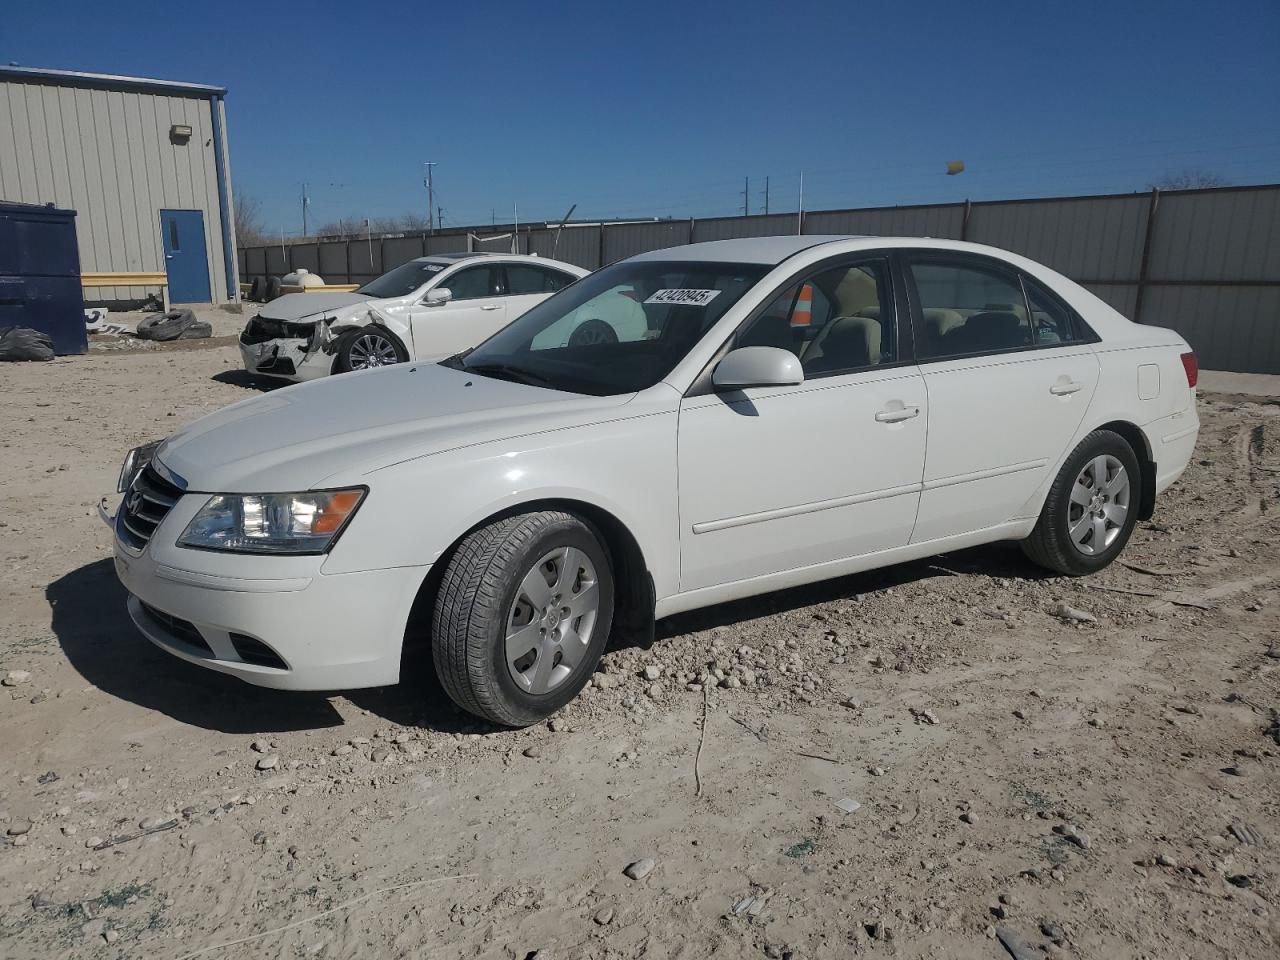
[134, 463]
[272, 522]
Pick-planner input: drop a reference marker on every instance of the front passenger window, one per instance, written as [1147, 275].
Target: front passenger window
[471, 283]
[838, 321]
[969, 309]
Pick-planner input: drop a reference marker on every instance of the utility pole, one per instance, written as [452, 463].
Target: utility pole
[429, 182]
[306, 202]
[440, 217]
[746, 196]
[800, 212]
[766, 196]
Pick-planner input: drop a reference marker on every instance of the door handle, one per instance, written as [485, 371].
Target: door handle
[490, 306]
[898, 415]
[1063, 389]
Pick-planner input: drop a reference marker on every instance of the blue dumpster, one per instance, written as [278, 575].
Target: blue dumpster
[40, 274]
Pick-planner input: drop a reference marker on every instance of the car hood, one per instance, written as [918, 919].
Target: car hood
[339, 429]
[295, 306]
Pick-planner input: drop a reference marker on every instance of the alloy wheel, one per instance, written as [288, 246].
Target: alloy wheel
[371, 350]
[1099, 505]
[549, 625]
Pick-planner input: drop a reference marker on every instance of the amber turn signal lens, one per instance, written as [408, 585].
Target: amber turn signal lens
[334, 513]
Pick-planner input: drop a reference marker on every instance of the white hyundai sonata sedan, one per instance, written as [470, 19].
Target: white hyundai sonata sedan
[759, 414]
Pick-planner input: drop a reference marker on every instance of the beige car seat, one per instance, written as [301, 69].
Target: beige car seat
[855, 301]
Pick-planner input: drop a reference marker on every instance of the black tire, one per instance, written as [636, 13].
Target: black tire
[592, 332]
[258, 289]
[165, 326]
[477, 594]
[272, 289]
[355, 345]
[1050, 544]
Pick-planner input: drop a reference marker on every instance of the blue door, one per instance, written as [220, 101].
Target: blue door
[186, 260]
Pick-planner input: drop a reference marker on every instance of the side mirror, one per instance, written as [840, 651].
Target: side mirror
[437, 296]
[757, 367]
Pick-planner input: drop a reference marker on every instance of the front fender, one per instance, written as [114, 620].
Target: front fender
[417, 509]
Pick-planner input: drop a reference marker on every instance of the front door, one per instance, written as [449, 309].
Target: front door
[476, 310]
[186, 260]
[1010, 376]
[783, 478]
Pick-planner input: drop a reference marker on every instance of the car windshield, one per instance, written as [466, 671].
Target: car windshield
[619, 330]
[403, 280]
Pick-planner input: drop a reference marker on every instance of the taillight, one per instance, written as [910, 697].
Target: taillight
[1193, 369]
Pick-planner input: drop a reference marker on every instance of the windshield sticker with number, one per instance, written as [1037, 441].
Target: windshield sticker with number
[685, 298]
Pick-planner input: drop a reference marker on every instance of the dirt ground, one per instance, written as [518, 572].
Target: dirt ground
[1102, 789]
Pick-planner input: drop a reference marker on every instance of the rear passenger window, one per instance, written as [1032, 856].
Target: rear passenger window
[837, 321]
[968, 309]
[523, 280]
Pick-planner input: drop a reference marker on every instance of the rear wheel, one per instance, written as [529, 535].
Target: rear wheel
[1091, 508]
[522, 616]
[368, 347]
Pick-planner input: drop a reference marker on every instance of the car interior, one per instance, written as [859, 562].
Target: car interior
[836, 321]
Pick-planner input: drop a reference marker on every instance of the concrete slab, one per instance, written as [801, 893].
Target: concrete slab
[1249, 384]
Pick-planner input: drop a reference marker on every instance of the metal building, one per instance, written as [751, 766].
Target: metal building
[144, 165]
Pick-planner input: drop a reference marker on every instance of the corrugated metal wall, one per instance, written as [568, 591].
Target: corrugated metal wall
[107, 155]
[1211, 268]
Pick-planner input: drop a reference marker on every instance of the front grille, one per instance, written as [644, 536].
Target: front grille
[254, 651]
[262, 329]
[183, 630]
[148, 501]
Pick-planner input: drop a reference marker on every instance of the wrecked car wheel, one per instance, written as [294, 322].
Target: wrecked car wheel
[522, 616]
[367, 348]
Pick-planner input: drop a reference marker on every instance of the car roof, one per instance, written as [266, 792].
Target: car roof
[444, 259]
[771, 251]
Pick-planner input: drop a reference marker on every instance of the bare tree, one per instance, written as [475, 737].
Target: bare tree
[1191, 179]
[251, 230]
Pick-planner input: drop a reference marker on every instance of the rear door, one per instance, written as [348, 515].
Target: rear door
[1009, 373]
[476, 310]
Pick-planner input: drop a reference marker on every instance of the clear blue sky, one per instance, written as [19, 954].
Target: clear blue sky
[657, 108]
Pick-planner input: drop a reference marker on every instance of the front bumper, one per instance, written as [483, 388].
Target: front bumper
[305, 631]
[287, 358]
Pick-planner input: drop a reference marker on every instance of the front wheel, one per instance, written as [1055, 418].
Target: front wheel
[1091, 509]
[522, 616]
[367, 348]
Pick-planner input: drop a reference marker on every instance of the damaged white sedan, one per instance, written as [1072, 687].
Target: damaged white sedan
[428, 307]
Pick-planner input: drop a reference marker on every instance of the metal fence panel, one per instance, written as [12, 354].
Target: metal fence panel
[398, 250]
[1217, 235]
[447, 243]
[728, 228]
[366, 262]
[936, 221]
[578, 245]
[333, 261]
[277, 265]
[1233, 328]
[624, 240]
[1097, 238]
[305, 255]
[255, 261]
